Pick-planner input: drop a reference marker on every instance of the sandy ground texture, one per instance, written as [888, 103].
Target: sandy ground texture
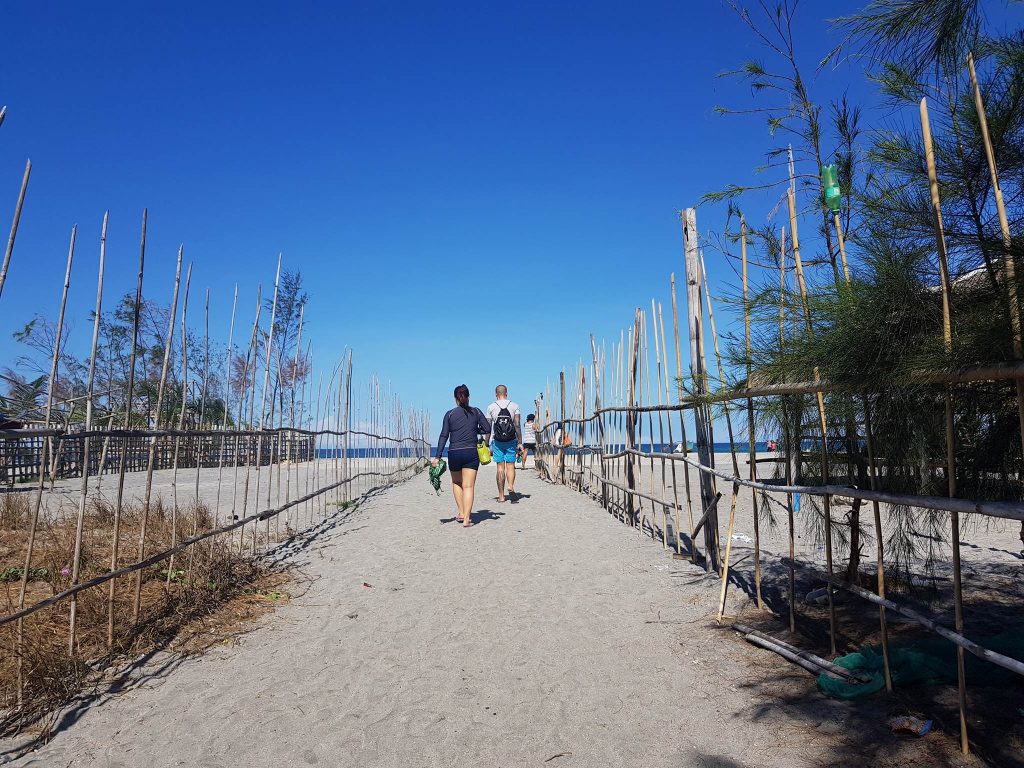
[546, 635]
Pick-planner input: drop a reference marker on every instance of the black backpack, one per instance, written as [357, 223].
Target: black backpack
[504, 427]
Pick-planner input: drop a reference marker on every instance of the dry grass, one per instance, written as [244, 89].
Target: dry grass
[208, 592]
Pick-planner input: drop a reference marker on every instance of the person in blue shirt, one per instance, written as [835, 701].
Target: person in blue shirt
[462, 427]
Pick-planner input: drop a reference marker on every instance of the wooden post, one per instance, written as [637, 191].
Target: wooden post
[699, 376]
[682, 417]
[751, 433]
[14, 226]
[879, 540]
[564, 430]
[631, 422]
[76, 559]
[118, 504]
[947, 338]
[151, 458]
[181, 423]
[1009, 268]
[787, 444]
[671, 440]
[268, 347]
[598, 380]
[826, 502]
[37, 505]
[227, 408]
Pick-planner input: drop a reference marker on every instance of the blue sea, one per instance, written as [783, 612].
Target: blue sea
[363, 453]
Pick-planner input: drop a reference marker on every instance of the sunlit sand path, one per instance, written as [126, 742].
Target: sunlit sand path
[546, 635]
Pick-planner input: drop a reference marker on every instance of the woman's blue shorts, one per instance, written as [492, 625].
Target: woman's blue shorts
[463, 458]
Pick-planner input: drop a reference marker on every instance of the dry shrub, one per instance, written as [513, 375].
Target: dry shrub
[211, 579]
[14, 508]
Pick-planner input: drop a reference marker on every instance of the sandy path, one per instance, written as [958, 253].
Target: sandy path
[547, 628]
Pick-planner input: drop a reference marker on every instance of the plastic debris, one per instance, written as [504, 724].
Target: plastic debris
[910, 724]
[368, 586]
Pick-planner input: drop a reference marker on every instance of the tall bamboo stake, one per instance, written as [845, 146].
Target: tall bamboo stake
[202, 415]
[151, 459]
[266, 385]
[181, 422]
[14, 226]
[732, 442]
[751, 434]
[119, 502]
[682, 418]
[38, 502]
[250, 354]
[1009, 268]
[227, 410]
[879, 538]
[76, 560]
[788, 471]
[947, 339]
[826, 502]
[671, 439]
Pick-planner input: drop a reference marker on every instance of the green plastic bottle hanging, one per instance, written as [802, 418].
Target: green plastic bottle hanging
[830, 181]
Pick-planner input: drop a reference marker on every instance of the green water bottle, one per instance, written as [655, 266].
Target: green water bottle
[830, 181]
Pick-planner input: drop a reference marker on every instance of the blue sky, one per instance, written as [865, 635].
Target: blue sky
[469, 190]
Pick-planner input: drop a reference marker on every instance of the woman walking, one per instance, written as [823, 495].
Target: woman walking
[461, 426]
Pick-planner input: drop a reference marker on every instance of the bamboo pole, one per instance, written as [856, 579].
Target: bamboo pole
[682, 417]
[76, 559]
[879, 539]
[295, 369]
[826, 503]
[598, 381]
[671, 439]
[788, 471]
[38, 502]
[227, 410]
[655, 313]
[147, 496]
[732, 443]
[119, 502]
[202, 415]
[250, 353]
[14, 226]
[947, 339]
[751, 434]
[705, 448]
[266, 385]
[1009, 268]
[842, 247]
[181, 422]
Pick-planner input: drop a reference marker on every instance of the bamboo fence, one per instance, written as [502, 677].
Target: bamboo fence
[631, 447]
[217, 483]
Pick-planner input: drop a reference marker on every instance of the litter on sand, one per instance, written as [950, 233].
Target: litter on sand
[910, 724]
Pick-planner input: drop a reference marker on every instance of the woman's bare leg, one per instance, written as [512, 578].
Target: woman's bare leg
[457, 492]
[468, 493]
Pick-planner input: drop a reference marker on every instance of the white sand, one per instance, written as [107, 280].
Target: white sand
[547, 628]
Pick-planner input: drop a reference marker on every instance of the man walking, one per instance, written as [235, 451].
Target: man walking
[506, 437]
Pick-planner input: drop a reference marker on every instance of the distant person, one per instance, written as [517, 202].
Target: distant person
[506, 437]
[529, 440]
[461, 426]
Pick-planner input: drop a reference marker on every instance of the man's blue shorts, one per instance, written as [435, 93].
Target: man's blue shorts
[504, 453]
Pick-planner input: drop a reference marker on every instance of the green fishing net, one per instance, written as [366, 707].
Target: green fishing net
[924, 661]
[435, 475]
